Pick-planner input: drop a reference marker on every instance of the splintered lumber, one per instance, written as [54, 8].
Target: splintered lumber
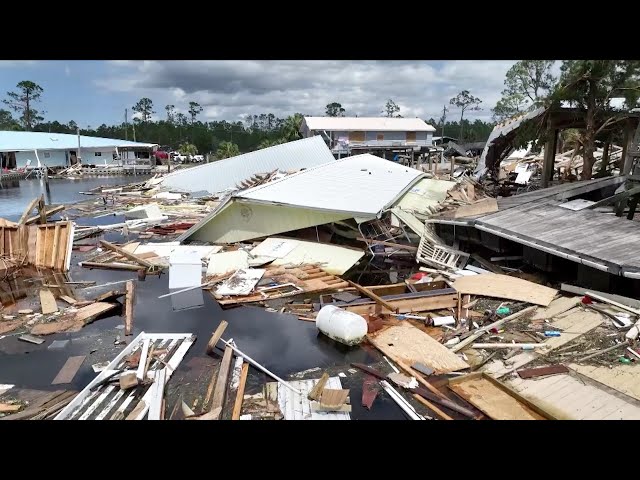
[332, 399]
[124, 253]
[128, 380]
[128, 319]
[373, 296]
[316, 391]
[88, 314]
[613, 302]
[495, 399]
[41, 210]
[47, 301]
[237, 406]
[221, 382]
[216, 336]
[522, 346]
[481, 331]
[47, 214]
[9, 408]
[110, 266]
[319, 407]
[481, 207]
[413, 345]
[503, 286]
[73, 322]
[604, 350]
[28, 210]
[108, 296]
[69, 370]
[542, 371]
[68, 299]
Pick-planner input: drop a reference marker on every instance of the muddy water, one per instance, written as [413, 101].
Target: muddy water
[282, 343]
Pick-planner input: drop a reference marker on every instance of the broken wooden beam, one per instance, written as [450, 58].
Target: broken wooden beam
[216, 337]
[47, 214]
[68, 370]
[47, 301]
[41, 210]
[128, 318]
[110, 266]
[28, 210]
[237, 406]
[220, 389]
[615, 198]
[316, 391]
[373, 296]
[124, 253]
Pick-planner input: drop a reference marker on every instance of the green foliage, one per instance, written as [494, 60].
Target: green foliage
[170, 109]
[465, 101]
[188, 149]
[194, 110]
[527, 85]
[145, 108]
[391, 109]
[22, 103]
[476, 131]
[7, 122]
[334, 109]
[226, 150]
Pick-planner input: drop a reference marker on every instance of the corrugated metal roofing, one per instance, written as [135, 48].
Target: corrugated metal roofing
[362, 185]
[226, 174]
[428, 192]
[11, 141]
[378, 124]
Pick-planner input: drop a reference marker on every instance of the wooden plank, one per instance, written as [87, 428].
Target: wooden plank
[409, 305]
[237, 406]
[89, 313]
[613, 302]
[32, 243]
[63, 246]
[155, 407]
[124, 253]
[69, 370]
[373, 296]
[493, 401]
[572, 324]
[412, 345]
[319, 407]
[28, 210]
[41, 238]
[558, 306]
[481, 207]
[221, 382]
[542, 371]
[110, 266]
[73, 322]
[128, 319]
[503, 286]
[216, 337]
[333, 398]
[47, 301]
[316, 391]
[54, 248]
[623, 378]
[48, 213]
[42, 210]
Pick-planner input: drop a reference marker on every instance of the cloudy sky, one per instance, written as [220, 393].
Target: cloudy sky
[96, 92]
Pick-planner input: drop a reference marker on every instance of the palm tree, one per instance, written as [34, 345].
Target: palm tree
[291, 127]
[226, 150]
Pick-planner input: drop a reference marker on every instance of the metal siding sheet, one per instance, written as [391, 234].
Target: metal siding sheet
[426, 193]
[360, 185]
[19, 141]
[225, 174]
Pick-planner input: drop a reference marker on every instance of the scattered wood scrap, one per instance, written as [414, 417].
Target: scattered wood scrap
[216, 337]
[47, 302]
[75, 321]
[316, 391]
[129, 302]
[542, 371]
[503, 286]
[412, 345]
[69, 370]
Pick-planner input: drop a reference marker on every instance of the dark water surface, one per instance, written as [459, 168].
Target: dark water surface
[15, 195]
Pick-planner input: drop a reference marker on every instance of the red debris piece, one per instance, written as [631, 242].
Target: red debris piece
[370, 389]
[587, 300]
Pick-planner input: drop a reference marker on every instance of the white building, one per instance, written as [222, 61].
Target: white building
[350, 135]
[28, 149]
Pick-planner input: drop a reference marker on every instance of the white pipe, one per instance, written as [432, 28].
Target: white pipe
[260, 367]
[523, 346]
[184, 290]
[401, 402]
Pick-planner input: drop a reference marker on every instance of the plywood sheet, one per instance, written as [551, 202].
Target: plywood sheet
[623, 378]
[573, 397]
[556, 307]
[413, 345]
[68, 370]
[573, 324]
[503, 286]
[47, 301]
[492, 400]
[482, 207]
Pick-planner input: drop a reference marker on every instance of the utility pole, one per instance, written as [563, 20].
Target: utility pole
[444, 118]
[133, 125]
[126, 125]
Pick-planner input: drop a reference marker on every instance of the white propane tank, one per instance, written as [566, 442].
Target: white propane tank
[342, 326]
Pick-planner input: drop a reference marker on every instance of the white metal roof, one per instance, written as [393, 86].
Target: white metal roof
[11, 141]
[226, 174]
[362, 184]
[368, 124]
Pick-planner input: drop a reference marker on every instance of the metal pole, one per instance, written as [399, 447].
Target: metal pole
[260, 367]
[126, 125]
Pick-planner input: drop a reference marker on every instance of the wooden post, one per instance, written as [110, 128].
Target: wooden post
[216, 336]
[41, 209]
[549, 156]
[627, 153]
[373, 296]
[453, 165]
[633, 203]
[128, 319]
[126, 254]
[430, 162]
[604, 162]
[221, 382]
[237, 407]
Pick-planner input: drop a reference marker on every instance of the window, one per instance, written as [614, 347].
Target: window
[98, 154]
[411, 136]
[380, 137]
[356, 136]
[47, 155]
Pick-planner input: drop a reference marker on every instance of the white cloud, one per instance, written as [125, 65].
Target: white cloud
[17, 63]
[233, 89]
[67, 70]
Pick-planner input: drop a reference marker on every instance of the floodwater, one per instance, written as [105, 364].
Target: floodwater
[280, 342]
[15, 195]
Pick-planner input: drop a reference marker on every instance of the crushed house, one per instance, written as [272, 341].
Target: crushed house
[382, 136]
